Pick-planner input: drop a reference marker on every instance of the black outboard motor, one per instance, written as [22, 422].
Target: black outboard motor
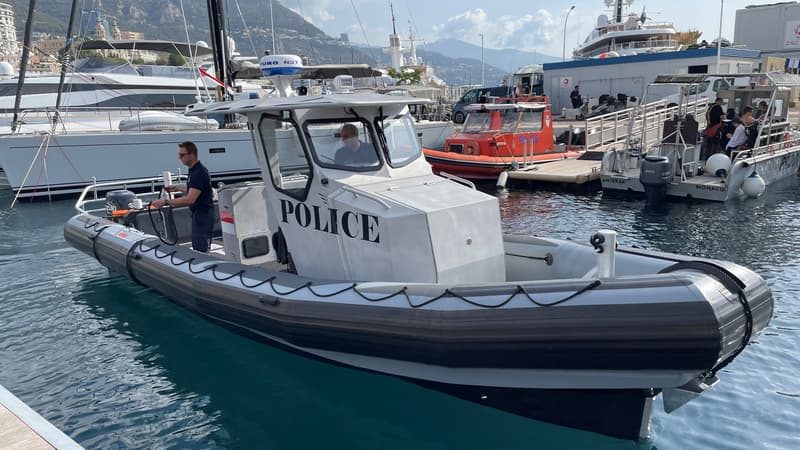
[654, 175]
[119, 200]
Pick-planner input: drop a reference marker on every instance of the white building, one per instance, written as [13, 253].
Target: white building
[8, 34]
[774, 29]
[631, 74]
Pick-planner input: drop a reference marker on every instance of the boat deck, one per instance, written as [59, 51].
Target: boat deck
[582, 170]
[22, 428]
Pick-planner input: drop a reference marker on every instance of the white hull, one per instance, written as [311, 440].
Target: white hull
[771, 167]
[65, 164]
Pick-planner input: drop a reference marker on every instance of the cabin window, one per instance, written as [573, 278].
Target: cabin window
[402, 144]
[470, 97]
[476, 122]
[721, 85]
[287, 161]
[508, 119]
[530, 120]
[698, 88]
[343, 145]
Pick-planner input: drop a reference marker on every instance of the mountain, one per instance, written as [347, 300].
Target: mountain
[508, 60]
[162, 19]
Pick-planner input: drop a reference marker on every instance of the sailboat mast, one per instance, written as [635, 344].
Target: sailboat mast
[23, 65]
[65, 58]
[219, 44]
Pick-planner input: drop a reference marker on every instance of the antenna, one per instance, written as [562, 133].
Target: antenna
[394, 28]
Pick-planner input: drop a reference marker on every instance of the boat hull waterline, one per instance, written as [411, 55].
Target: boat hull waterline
[607, 344]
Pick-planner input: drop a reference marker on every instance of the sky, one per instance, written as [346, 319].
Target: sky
[535, 25]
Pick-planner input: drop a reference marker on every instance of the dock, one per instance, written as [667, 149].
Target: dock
[22, 428]
[581, 170]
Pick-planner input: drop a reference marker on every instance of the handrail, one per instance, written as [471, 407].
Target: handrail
[458, 179]
[94, 187]
[365, 194]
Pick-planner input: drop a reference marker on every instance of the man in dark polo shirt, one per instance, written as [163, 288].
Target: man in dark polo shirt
[198, 197]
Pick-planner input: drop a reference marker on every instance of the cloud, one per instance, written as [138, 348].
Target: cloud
[523, 32]
[316, 12]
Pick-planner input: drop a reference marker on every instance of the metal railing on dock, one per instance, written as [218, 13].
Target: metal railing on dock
[644, 122]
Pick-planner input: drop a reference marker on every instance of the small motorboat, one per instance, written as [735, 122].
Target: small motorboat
[673, 165]
[498, 136]
[383, 266]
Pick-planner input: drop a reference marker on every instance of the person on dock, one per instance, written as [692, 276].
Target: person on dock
[575, 97]
[199, 197]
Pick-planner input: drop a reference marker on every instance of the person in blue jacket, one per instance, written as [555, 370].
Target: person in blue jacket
[198, 197]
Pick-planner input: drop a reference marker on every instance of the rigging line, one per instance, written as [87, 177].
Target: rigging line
[305, 22]
[363, 31]
[272, 26]
[192, 57]
[246, 29]
[413, 22]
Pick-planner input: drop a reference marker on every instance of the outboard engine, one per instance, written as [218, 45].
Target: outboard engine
[654, 176]
[119, 200]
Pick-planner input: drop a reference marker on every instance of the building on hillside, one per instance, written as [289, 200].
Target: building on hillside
[630, 75]
[131, 35]
[774, 29]
[8, 34]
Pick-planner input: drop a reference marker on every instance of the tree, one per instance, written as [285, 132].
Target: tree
[176, 60]
[409, 76]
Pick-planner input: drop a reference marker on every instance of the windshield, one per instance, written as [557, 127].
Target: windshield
[476, 122]
[343, 145]
[498, 120]
[695, 88]
[401, 140]
[289, 167]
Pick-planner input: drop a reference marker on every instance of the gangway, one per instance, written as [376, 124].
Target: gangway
[641, 126]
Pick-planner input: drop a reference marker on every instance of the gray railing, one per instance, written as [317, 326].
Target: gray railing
[645, 122]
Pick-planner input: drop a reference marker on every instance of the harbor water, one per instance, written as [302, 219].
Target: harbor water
[116, 366]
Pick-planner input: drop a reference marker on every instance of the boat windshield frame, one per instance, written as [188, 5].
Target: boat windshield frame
[286, 178]
[398, 153]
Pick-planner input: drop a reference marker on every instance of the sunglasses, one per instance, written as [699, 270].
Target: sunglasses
[181, 155]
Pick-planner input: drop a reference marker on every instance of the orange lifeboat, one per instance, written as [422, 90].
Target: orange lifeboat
[498, 135]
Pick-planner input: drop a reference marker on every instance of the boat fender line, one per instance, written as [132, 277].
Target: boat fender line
[733, 284]
[97, 230]
[309, 286]
[132, 255]
[163, 220]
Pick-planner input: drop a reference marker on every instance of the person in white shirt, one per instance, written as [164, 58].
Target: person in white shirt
[739, 136]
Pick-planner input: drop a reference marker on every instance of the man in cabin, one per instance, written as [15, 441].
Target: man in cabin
[353, 151]
[761, 112]
[198, 197]
[575, 97]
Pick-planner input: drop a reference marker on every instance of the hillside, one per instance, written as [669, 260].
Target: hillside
[162, 19]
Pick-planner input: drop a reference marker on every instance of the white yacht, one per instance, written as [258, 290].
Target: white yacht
[623, 35]
[40, 162]
[125, 86]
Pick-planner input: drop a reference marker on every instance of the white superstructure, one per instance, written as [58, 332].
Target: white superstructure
[622, 35]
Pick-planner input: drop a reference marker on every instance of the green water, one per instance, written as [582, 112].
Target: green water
[115, 365]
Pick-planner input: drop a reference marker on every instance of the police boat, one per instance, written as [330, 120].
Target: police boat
[377, 264]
